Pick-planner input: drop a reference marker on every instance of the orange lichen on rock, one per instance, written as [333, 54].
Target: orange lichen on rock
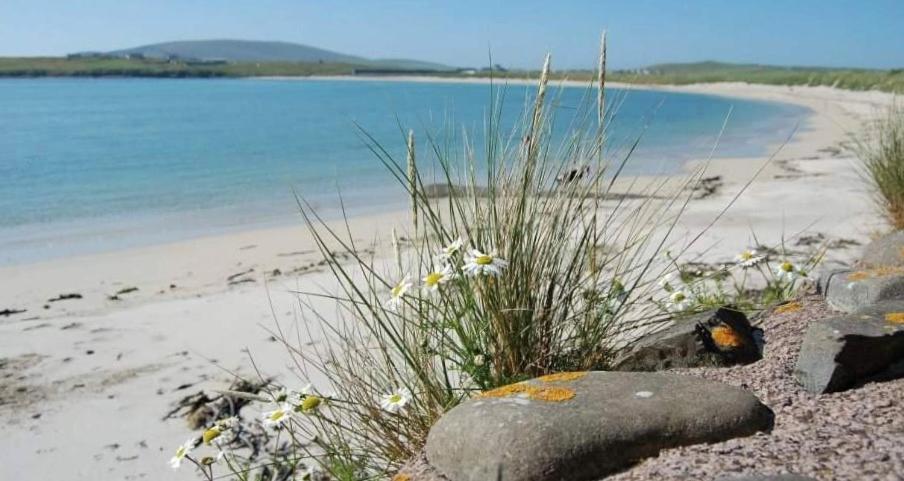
[401, 477]
[725, 336]
[505, 391]
[552, 394]
[789, 307]
[882, 271]
[895, 317]
[562, 376]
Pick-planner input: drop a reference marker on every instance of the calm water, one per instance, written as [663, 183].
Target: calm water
[92, 165]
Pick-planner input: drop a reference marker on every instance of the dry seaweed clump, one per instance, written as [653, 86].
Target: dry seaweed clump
[544, 393]
[563, 376]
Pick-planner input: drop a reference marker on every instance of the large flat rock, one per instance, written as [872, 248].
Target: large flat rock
[842, 352]
[581, 426]
[885, 251]
[850, 291]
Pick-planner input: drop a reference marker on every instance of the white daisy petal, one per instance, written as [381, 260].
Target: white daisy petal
[396, 400]
[398, 292]
[478, 263]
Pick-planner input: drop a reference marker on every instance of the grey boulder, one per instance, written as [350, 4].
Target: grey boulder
[581, 426]
[853, 290]
[885, 251]
[720, 337]
[842, 352]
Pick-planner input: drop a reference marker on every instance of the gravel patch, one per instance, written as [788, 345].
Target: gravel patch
[853, 435]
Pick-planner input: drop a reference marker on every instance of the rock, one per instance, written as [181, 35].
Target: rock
[853, 290]
[846, 351]
[822, 274]
[721, 337]
[765, 477]
[886, 251]
[586, 425]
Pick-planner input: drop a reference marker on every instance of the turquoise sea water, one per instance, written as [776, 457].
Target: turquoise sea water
[89, 165]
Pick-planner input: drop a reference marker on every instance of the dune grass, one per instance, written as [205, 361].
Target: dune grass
[882, 154]
[517, 273]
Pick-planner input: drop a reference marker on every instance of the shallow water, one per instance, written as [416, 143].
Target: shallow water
[89, 165]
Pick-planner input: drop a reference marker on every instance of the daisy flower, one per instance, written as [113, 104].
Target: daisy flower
[678, 301]
[181, 452]
[440, 275]
[396, 401]
[787, 271]
[479, 263]
[749, 258]
[450, 250]
[395, 299]
[278, 416]
[309, 404]
[221, 432]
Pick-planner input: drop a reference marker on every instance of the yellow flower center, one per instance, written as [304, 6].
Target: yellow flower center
[433, 279]
[310, 403]
[211, 434]
[787, 267]
[397, 290]
[395, 398]
[483, 260]
[277, 415]
[180, 453]
[746, 255]
[678, 297]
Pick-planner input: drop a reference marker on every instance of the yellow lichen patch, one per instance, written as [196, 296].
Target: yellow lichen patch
[401, 477]
[562, 376]
[882, 271]
[725, 336]
[789, 307]
[550, 394]
[895, 317]
[505, 391]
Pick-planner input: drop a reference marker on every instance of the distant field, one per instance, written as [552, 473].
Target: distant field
[109, 67]
[678, 74]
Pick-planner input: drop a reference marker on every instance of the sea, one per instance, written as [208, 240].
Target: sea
[94, 165]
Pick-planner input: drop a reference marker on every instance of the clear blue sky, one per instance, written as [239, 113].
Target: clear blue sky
[864, 33]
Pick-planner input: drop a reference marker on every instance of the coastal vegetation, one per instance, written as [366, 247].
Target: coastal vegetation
[882, 153]
[666, 74]
[519, 272]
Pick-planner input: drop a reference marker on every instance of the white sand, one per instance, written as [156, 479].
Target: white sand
[100, 413]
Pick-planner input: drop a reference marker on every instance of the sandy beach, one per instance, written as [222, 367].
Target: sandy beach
[105, 345]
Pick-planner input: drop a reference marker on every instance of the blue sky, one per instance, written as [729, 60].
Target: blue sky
[866, 33]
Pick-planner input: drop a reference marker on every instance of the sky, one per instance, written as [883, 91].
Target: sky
[517, 33]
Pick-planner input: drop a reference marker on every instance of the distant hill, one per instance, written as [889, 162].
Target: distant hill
[263, 51]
